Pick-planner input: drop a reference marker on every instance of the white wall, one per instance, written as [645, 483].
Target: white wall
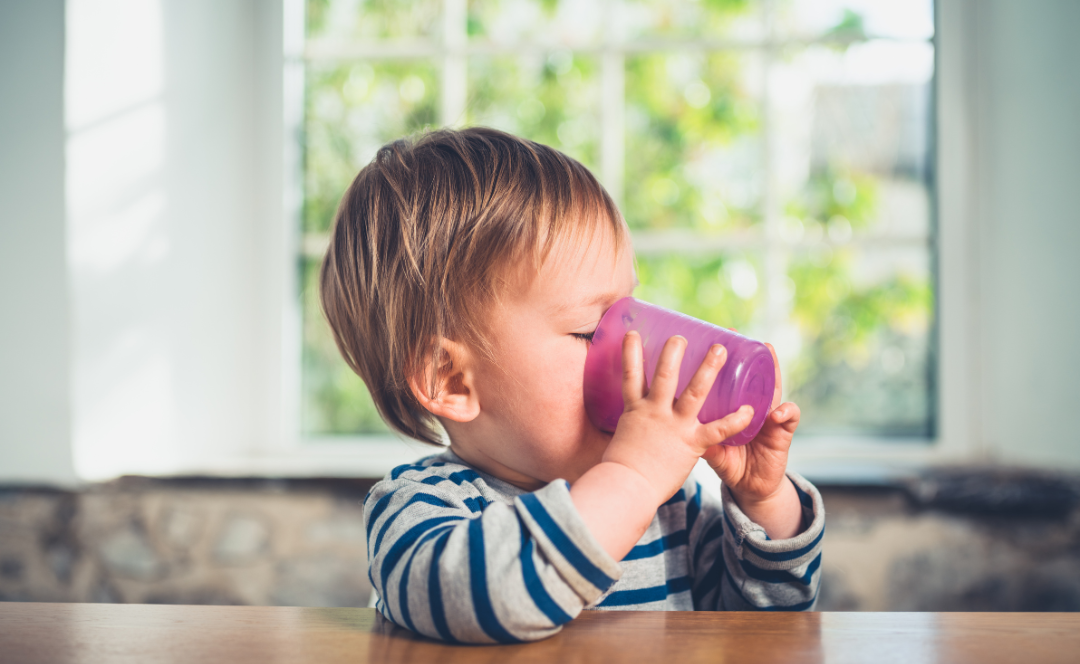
[1028, 213]
[35, 409]
[168, 230]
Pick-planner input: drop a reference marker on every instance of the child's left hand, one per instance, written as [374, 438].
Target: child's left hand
[755, 472]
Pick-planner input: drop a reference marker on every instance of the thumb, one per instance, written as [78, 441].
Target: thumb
[719, 458]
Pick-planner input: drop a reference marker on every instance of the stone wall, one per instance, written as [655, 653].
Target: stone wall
[190, 542]
[887, 550]
[958, 542]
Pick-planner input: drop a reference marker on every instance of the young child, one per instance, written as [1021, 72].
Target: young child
[465, 275]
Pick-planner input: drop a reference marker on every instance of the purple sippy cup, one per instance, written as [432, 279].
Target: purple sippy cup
[747, 377]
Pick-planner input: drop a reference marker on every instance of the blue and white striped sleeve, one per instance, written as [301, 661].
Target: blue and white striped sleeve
[448, 564]
[737, 567]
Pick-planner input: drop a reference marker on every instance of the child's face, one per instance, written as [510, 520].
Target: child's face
[532, 427]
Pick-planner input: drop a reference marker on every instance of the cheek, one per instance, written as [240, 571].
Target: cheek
[565, 376]
[542, 391]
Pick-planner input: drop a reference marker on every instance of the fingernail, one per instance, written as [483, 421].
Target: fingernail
[717, 349]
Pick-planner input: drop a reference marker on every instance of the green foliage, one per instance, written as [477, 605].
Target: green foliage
[697, 285]
[832, 193]
[664, 19]
[552, 100]
[316, 13]
[864, 363]
[683, 110]
[693, 163]
[851, 26]
[376, 19]
[691, 18]
[333, 399]
[349, 111]
[848, 325]
[844, 318]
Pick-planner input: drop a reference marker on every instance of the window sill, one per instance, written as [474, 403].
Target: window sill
[825, 460]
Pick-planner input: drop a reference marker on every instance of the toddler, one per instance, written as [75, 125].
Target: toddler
[465, 275]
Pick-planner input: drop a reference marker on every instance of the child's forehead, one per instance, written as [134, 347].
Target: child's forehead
[566, 253]
[577, 272]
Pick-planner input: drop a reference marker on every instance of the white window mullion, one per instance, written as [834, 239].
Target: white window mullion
[455, 63]
[287, 394]
[775, 258]
[613, 106]
[612, 133]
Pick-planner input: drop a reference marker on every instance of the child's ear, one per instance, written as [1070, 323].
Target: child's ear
[452, 376]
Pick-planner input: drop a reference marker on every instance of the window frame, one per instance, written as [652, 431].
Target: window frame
[284, 450]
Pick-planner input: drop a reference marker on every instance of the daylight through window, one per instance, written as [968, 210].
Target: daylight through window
[773, 160]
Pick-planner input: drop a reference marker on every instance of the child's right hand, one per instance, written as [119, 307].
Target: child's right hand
[658, 436]
[655, 446]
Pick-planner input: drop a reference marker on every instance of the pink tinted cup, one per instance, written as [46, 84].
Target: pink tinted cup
[747, 377]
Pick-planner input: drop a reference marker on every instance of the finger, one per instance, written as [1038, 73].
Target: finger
[633, 383]
[666, 378]
[777, 431]
[778, 390]
[721, 457]
[787, 415]
[693, 397]
[726, 427]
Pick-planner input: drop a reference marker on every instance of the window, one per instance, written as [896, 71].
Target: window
[773, 159]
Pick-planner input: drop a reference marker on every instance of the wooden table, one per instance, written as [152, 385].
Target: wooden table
[149, 634]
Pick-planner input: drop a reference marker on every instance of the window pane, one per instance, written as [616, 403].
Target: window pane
[693, 141]
[682, 19]
[334, 400]
[564, 22]
[864, 325]
[776, 173]
[722, 289]
[851, 166]
[552, 99]
[373, 19]
[856, 19]
[351, 110]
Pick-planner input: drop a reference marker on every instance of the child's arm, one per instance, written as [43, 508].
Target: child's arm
[770, 553]
[450, 567]
[453, 565]
[755, 473]
[735, 566]
[760, 561]
[655, 446]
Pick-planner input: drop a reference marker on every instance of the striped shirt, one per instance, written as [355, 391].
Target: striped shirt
[461, 556]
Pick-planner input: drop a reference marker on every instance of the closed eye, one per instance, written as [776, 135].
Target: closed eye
[584, 336]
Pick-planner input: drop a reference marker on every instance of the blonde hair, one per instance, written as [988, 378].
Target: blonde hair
[421, 238]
